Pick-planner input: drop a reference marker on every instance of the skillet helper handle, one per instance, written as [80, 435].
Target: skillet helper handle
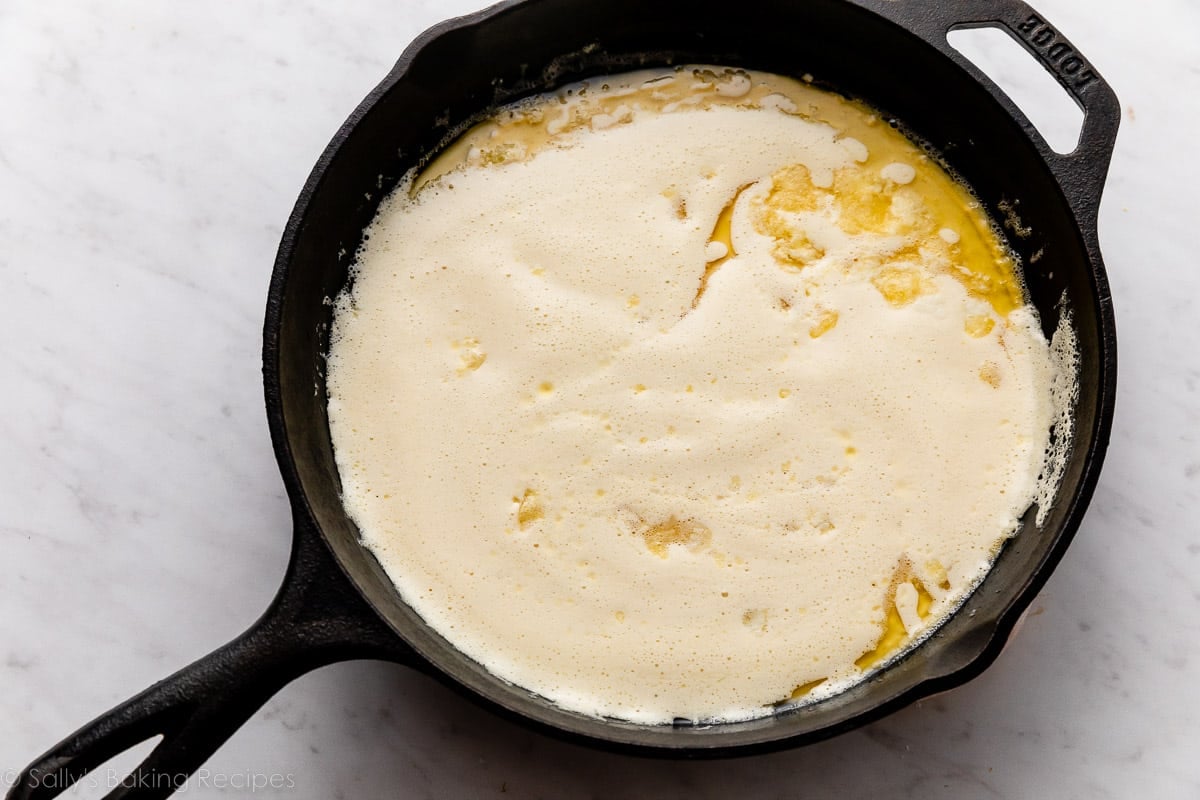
[317, 618]
[1082, 172]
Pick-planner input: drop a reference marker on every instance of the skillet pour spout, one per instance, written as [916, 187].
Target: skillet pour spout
[336, 603]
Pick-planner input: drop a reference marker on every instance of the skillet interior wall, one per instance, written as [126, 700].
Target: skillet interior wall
[520, 51]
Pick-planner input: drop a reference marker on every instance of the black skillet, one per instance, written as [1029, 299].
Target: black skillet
[336, 603]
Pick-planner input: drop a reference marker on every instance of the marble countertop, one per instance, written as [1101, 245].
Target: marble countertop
[150, 155]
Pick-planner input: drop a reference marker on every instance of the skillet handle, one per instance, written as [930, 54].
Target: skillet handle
[317, 618]
[1082, 172]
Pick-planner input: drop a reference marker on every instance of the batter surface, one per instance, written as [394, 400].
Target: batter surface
[686, 394]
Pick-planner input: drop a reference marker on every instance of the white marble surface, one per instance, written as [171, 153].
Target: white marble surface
[149, 156]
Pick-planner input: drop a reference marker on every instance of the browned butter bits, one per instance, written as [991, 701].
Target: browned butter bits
[689, 393]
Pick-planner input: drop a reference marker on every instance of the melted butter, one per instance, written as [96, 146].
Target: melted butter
[824, 324]
[471, 355]
[685, 532]
[722, 237]
[896, 634]
[529, 508]
[926, 208]
[804, 689]
[915, 212]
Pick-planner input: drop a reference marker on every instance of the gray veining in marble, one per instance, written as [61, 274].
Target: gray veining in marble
[150, 154]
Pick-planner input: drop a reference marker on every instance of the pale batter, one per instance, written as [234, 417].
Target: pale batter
[682, 398]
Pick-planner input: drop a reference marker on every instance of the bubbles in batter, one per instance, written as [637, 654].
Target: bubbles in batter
[688, 394]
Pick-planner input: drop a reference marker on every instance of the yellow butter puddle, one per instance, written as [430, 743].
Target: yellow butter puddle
[895, 189]
[722, 236]
[895, 635]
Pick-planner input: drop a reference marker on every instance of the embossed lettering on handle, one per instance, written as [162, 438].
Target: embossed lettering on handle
[1070, 67]
[1082, 172]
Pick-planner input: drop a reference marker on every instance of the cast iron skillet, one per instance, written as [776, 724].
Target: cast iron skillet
[337, 604]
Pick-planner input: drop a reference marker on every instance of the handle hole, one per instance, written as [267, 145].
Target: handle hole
[106, 777]
[1055, 114]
